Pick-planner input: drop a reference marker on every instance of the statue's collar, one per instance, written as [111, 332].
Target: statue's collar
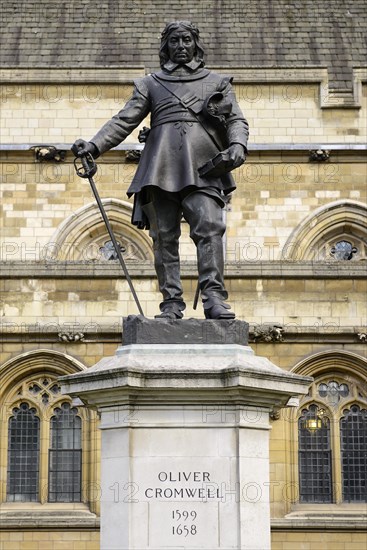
[194, 64]
[190, 71]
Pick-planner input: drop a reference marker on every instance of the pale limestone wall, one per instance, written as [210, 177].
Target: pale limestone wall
[320, 304]
[59, 540]
[50, 540]
[317, 540]
[275, 193]
[290, 113]
[277, 113]
[58, 113]
[285, 355]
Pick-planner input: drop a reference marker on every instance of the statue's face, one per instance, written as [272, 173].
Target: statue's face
[181, 46]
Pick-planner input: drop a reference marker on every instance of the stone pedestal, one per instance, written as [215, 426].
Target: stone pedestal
[185, 432]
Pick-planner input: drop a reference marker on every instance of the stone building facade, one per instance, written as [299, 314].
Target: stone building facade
[296, 249]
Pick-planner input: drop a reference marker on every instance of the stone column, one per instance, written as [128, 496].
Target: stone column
[185, 411]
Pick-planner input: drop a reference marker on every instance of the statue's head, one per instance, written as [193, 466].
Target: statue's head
[180, 42]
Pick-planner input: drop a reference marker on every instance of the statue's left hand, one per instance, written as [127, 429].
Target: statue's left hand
[237, 154]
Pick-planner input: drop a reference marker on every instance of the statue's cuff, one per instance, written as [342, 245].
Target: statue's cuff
[239, 143]
[95, 153]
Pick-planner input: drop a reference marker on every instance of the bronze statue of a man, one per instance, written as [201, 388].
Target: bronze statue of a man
[198, 135]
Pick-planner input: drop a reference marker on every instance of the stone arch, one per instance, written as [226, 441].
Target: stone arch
[345, 366]
[313, 238]
[82, 234]
[333, 361]
[34, 362]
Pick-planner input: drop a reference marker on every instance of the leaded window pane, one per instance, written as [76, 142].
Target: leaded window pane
[65, 456]
[108, 250]
[353, 443]
[343, 250]
[314, 456]
[23, 455]
[333, 391]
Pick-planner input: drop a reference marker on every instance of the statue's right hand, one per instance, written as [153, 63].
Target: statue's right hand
[82, 147]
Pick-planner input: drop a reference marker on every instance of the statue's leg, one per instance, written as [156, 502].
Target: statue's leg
[204, 215]
[164, 213]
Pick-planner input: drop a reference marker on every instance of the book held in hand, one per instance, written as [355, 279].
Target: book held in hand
[217, 166]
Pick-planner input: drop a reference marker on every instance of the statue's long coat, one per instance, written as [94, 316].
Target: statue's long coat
[177, 144]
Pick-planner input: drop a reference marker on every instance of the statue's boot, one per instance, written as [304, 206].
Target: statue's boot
[206, 229]
[210, 267]
[217, 309]
[165, 219]
[171, 310]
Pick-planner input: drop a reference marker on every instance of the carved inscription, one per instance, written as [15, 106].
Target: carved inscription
[186, 485]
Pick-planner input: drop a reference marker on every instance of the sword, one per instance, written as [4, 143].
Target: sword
[87, 169]
[196, 297]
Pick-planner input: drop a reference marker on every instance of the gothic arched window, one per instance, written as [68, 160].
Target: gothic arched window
[49, 446]
[23, 454]
[44, 444]
[334, 232]
[314, 461]
[353, 447]
[65, 455]
[332, 441]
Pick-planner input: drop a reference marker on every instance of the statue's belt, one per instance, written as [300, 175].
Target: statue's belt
[173, 118]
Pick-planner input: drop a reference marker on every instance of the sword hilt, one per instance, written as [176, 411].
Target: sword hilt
[85, 166]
